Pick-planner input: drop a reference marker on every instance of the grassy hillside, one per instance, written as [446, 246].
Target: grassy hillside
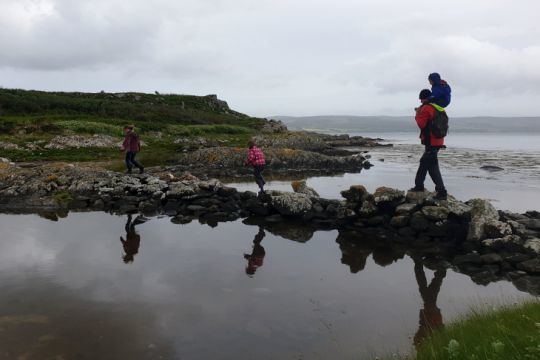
[30, 119]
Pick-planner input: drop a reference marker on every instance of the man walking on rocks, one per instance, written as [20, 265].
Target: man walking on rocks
[257, 160]
[425, 115]
[131, 146]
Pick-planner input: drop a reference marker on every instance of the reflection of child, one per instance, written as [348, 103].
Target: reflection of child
[440, 91]
[256, 258]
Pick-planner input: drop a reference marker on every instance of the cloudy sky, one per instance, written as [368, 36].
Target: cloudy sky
[281, 57]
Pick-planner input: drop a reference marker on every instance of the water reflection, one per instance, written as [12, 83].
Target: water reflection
[256, 258]
[187, 297]
[132, 241]
[430, 315]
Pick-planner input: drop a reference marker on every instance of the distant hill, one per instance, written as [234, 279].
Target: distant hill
[181, 109]
[376, 124]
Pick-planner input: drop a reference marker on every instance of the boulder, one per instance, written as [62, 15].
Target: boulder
[388, 195]
[417, 197]
[302, 188]
[533, 245]
[419, 222]
[472, 258]
[458, 208]
[367, 209]
[497, 229]
[435, 213]
[405, 209]
[530, 266]
[533, 224]
[508, 243]
[491, 258]
[294, 204]
[356, 193]
[530, 284]
[481, 212]
[517, 228]
[399, 221]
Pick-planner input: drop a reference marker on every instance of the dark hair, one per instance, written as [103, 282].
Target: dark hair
[130, 127]
[424, 94]
[251, 143]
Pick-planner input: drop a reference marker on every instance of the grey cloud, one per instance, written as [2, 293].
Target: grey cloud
[277, 56]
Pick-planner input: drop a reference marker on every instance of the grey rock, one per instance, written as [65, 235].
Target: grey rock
[491, 168]
[530, 266]
[533, 224]
[481, 212]
[388, 195]
[356, 193]
[491, 258]
[197, 208]
[291, 203]
[367, 209]
[419, 222]
[517, 228]
[530, 284]
[468, 259]
[406, 208]
[399, 221]
[435, 212]
[497, 229]
[513, 275]
[458, 208]
[533, 245]
[515, 258]
[509, 243]
[302, 188]
[417, 197]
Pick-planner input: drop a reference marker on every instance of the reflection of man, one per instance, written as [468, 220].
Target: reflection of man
[430, 315]
[132, 241]
[255, 260]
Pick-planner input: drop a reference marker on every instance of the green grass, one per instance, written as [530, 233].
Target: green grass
[34, 116]
[507, 333]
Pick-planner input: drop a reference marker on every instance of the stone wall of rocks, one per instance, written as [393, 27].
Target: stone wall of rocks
[471, 236]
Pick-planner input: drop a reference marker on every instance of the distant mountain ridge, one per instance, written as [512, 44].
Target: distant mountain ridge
[406, 123]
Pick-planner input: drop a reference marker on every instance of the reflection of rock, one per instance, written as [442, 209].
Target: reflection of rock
[530, 284]
[290, 230]
[354, 253]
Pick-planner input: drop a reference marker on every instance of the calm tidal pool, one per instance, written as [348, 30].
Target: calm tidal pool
[90, 287]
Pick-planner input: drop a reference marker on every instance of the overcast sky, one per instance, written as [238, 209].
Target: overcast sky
[281, 57]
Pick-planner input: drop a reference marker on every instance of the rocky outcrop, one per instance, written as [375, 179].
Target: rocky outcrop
[229, 162]
[274, 127]
[78, 141]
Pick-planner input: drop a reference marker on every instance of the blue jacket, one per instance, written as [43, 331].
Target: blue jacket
[440, 91]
